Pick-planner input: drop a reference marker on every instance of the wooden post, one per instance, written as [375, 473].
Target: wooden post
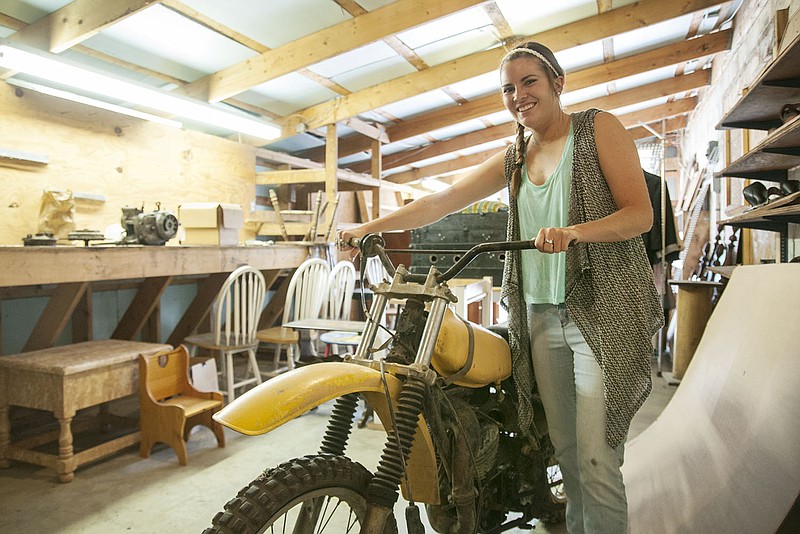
[376, 173]
[331, 170]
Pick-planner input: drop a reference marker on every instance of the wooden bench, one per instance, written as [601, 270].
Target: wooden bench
[63, 380]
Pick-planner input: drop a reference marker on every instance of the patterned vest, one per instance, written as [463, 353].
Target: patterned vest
[610, 294]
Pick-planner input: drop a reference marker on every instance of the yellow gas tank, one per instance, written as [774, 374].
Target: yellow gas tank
[491, 360]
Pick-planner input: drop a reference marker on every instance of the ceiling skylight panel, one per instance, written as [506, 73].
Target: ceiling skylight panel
[479, 86]
[170, 37]
[644, 78]
[287, 94]
[445, 27]
[640, 105]
[374, 73]
[457, 129]
[273, 22]
[653, 36]
[459, 45]
[580, 57]
[354, 59]
[534, 16]
[419, 104]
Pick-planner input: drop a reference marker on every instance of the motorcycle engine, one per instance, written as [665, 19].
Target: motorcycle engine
[154, 228]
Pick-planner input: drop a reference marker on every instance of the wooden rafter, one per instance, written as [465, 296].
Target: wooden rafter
[324, 44]
[76, 22]
[626, 18]
[660, 57]
[623, 98]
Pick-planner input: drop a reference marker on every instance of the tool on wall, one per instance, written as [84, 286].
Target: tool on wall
[155, 228]
[273, 197]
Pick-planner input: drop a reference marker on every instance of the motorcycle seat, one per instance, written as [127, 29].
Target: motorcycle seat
[501, 329]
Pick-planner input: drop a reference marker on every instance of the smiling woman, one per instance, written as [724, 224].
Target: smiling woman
[575, 186]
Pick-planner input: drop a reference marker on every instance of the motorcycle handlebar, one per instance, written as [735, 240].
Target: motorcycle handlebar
[373, 245]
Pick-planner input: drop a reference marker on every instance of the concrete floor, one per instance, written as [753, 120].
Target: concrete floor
[127, 494]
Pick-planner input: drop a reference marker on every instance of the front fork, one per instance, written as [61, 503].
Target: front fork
[382, 492]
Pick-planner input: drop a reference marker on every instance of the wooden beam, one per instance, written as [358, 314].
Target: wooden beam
[82, 318]
[376, 161]
[664, 56]
[671, 125]
[499, 21]
[141, 307]
[438, 148]
[651, 91]
[318, 46]
[660, 57]
[376, 131]
[331, 169]
[291, 176]
[76, 22]
[207, 291]
[54, 318]
[621, 99]
[442, 168]
[656, 113]
[616, 21]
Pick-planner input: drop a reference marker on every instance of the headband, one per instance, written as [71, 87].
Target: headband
[533, 53]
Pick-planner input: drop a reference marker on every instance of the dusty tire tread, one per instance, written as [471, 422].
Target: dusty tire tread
[264, 496]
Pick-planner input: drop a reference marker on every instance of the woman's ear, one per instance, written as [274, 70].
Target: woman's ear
[559, 85]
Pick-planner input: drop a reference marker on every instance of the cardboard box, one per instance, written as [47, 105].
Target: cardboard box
[210, 223]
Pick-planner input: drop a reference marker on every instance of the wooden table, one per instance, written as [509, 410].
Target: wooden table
[63, 380]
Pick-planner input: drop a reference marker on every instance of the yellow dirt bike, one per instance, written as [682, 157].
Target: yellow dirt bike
[442, 395]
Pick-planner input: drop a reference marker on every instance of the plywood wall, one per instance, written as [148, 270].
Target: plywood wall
[127, 161]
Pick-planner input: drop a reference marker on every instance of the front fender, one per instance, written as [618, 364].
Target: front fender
[289, 395]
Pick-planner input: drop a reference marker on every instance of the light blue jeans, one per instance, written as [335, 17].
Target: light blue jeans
[571, 386]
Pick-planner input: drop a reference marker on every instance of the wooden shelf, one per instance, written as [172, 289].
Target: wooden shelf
[760, 109]
[773, 216]
[779, 84]
[772, 159]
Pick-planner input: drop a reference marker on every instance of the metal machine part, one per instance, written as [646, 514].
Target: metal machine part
[154, 228]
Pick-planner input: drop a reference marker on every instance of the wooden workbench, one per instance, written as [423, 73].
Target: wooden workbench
[72, 270]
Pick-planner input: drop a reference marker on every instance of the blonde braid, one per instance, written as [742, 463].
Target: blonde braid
[516, 178]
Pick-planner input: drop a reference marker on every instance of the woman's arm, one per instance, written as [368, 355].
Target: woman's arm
[486, 179]
[619, 161]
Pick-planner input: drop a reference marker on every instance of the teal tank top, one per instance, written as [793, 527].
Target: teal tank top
[545, 206]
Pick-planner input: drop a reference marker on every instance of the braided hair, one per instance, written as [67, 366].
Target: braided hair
[552, 70]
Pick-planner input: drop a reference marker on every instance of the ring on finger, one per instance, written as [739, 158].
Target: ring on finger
[549, 241]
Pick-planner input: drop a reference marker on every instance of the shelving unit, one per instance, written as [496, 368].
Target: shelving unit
[759, 109]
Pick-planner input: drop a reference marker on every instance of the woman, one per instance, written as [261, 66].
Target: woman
[582, 320]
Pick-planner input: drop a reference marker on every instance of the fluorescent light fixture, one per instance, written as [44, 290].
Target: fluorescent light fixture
[66, 95]
[57, 71]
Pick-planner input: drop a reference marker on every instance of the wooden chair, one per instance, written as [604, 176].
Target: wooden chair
[341, 284]
[305, 299]
[237, 311]
[169, 406]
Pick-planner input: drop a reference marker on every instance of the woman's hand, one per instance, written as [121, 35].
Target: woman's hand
[554, 240]
[343, 237]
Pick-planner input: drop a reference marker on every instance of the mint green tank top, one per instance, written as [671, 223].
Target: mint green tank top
[545, 206]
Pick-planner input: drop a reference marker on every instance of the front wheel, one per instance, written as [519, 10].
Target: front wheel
[313, 494]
